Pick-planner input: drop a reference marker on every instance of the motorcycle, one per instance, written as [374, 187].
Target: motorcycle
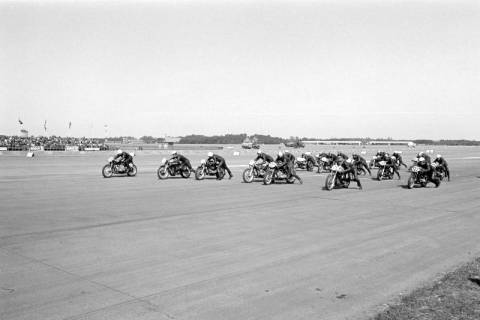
[384, 171]
[209, 168]
[256, 169]
[324, 164]
[275, 173]
[302, 163]
[118, 168]
[418, 177]
[337, 178]
[171, 168]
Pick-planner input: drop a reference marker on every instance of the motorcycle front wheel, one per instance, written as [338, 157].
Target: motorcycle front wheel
[107, 171]
[248, 175]
[380, 174]
[268, 178]
[162, 172]
[199, 174]
[330, 182]
[411, 182]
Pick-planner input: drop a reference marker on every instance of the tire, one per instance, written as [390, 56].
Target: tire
[310, 166]
[185, 172]
[220, 173]
[380, 174]
[268, 179]
[199, 174]
[248, 175]
[162, 173]
[330, 182]
[107, 171]
[132, 172]
[411, 182]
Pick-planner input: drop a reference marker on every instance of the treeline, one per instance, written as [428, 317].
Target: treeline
[230, 139]
[460, 142]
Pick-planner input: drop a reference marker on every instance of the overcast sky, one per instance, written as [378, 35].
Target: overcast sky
[404, 69]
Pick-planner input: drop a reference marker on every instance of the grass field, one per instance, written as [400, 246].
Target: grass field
[74, 245]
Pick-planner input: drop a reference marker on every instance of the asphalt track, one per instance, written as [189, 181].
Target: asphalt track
[74, 245]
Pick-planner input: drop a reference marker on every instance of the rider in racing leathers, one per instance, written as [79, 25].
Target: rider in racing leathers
[392, 163]
[123, 157]
[265, 157]
[398, 156]
[427, 169]
[285, 161]
[308, 157]
[360, 162]
[220, 162]
[182, 160]
[442, 162]
[349, 168]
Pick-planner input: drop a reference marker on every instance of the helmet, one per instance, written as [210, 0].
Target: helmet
[174, 153]
[439, 156]
[280, 153]
[259, 151]
[308, 153]
[286, 151]
[210, 154]
[119, 151]
[393, 158]
[349, 160]
[421, 153]
[421, 159]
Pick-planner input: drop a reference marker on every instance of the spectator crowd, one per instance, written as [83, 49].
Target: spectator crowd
[50, 143]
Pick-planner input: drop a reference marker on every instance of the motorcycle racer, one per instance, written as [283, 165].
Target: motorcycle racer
[442, 162]
[285, 161]
[182, 160]
[262, 155]
[398, 156]
[392, 163]
[427, 169]
[349, 168]
[123, 157]
[360, 162]
[220, 162]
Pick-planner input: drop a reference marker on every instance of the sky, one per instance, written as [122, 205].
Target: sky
[401, 69]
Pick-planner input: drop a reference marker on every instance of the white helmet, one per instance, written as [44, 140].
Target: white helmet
[421, 153]
[119, 151]
[174, 153]
[210, 154]
[308, 153]
[421, 159]
[286, 151]
[280, 153]
[259, 151]
[439, 156]
[349, 160]
[393, 158]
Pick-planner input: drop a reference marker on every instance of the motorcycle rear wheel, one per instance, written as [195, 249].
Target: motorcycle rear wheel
[185, 172]
[132, 172]
[107, 171]
[380, 175]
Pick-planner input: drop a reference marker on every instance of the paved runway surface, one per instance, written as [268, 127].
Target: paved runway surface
[74, 245]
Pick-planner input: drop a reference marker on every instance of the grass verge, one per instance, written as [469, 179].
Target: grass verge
[455, 296]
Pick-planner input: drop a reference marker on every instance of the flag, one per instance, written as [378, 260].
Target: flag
[69, 124]
[45, 126]
[20, 121]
